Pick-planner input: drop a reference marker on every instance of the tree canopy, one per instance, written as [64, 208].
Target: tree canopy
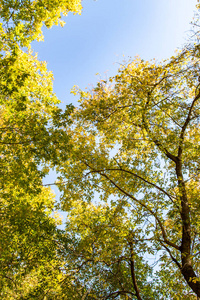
[30, 122]
[128, 165]
[136, 143]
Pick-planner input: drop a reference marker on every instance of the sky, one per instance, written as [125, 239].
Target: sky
[107, 33]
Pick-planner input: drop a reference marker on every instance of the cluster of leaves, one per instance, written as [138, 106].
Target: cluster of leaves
[27, 243]
[22, 21]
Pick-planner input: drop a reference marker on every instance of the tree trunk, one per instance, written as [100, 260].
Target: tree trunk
[187, 268]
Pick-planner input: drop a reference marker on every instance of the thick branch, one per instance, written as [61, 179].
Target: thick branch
[137, 291]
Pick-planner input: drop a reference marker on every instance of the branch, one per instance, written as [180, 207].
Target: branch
[186, 124]
[138, 176]
[172, 257]
[137, 291]
[16, 143]
[139, 202]
[117, 293]
[156, 142]
[146, 207]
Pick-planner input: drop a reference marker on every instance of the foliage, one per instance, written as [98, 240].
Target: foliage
[30, 128]
[29, 115]
[30, 119]
[21, 21]
[34, 261]
[27, 242]
[136, 143]
[107, 251]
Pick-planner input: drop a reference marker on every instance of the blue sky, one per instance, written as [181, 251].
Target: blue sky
[96, 41]
[107, 32]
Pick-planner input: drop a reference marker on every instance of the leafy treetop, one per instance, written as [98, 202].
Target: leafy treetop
[135, 140]
[21, 21]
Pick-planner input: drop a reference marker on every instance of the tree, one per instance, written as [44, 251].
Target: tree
[29, 115]
[135, 143]
[30, 128]
[112, 258]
